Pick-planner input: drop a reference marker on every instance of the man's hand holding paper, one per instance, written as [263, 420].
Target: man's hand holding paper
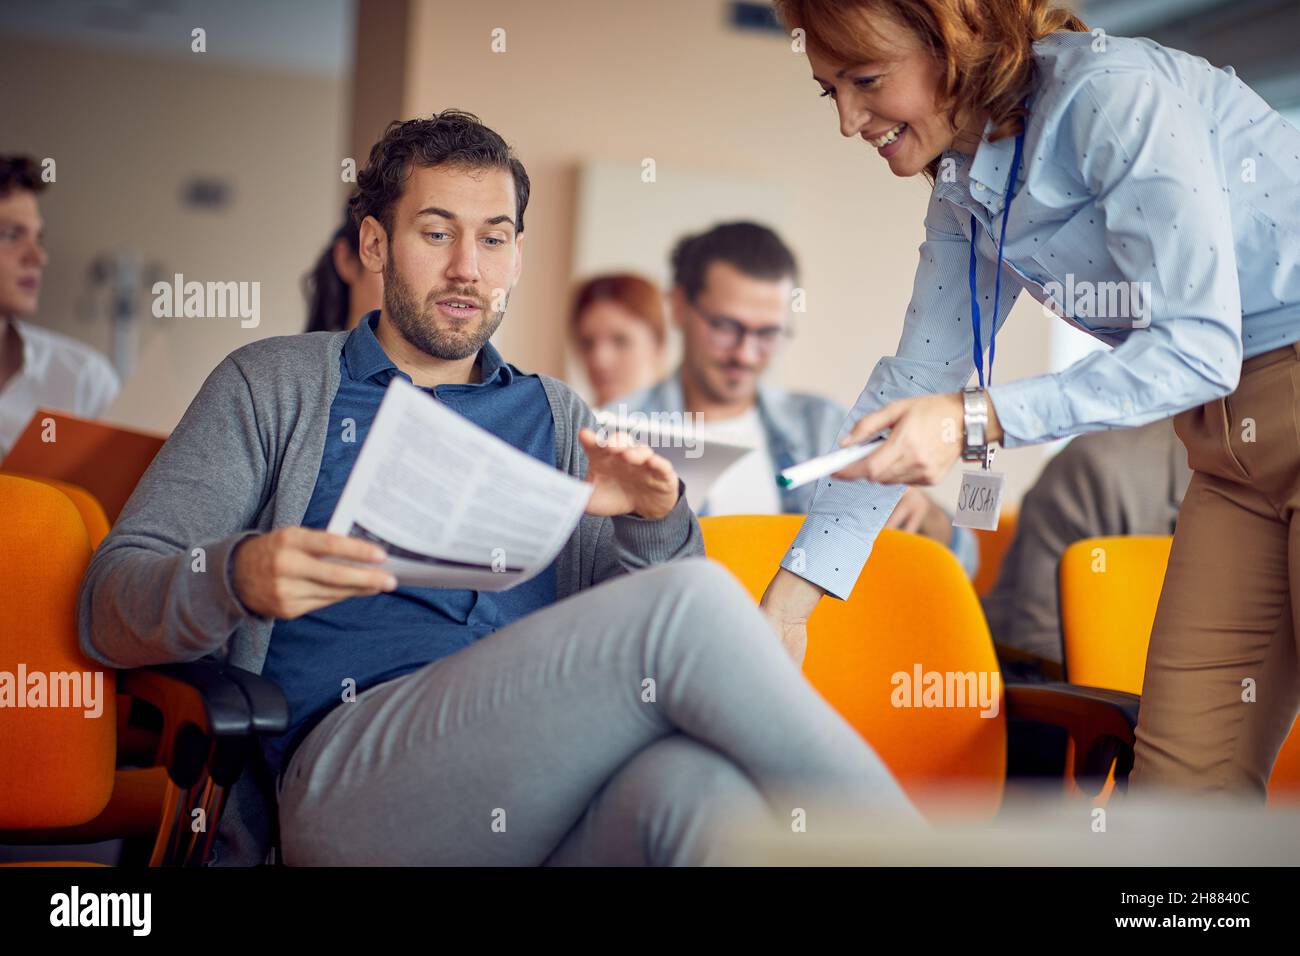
[454, 506]
[289, 572]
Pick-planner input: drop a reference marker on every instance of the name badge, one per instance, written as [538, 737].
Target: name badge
[979, 500]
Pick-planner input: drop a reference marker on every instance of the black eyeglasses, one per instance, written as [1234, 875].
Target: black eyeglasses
[726, 333]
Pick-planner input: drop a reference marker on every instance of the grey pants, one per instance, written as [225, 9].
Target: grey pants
[620, 726]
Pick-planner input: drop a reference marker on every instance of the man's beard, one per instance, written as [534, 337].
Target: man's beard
[718, 390]
[419, 326]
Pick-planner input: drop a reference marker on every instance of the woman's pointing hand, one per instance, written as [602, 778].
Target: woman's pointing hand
[924, 441]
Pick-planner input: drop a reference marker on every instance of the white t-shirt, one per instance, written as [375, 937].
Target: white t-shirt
[58, 373]
[748, 487]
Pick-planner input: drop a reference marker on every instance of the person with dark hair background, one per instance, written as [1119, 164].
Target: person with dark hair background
[731, 300]
[39, 368]
[339, 289]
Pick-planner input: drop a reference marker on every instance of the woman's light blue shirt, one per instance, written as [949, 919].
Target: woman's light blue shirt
[1157, 209]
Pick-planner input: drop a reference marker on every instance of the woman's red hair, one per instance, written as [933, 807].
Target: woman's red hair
[637, 295]
[984, 47]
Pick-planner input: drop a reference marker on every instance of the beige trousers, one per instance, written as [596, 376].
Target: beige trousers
[1222, 684]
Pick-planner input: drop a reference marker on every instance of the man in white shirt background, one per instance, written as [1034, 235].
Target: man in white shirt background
[39, 368]
[731, 300]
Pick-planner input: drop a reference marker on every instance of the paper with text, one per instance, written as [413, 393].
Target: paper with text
[452, 504]
[698, 459]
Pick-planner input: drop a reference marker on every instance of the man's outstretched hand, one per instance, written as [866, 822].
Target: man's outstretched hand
[628, 477]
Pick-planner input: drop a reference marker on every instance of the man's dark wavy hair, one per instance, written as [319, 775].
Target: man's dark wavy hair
[449, 138]
[20, 172]
[755, 250]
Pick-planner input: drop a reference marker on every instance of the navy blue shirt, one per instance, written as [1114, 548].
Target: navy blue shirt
[375, 639]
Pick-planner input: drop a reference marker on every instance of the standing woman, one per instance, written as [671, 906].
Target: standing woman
[1151, 200]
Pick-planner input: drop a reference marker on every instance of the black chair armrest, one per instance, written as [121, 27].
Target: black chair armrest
[205, 714]
[266, 702]
[1101, 723]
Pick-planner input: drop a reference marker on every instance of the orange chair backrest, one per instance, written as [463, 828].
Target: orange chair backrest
[913, 612]
[57, 753]
[107, 460]
[92, 513]
[993, 547]
[1110, 587]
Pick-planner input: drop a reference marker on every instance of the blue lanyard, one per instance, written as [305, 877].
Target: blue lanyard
[997, 279]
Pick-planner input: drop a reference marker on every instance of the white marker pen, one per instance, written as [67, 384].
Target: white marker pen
[827, 464]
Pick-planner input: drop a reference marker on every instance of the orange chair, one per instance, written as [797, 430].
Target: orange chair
[1109, 588]
[67, 759]
[993, 547]
[107, 460]
[132, 741]
[912, 609]
[88, 506]
[62, 783]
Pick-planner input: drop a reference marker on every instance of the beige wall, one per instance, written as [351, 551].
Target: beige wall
[126, 132]
[674, 83]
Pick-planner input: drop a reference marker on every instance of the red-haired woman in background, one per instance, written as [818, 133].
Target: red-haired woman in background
[618, 327]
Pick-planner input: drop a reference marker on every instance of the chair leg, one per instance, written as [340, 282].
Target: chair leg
[212, 800]
[167, 826]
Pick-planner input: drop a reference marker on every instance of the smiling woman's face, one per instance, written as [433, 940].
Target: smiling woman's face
[892, 102]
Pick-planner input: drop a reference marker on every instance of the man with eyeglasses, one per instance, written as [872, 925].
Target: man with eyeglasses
[731, 297]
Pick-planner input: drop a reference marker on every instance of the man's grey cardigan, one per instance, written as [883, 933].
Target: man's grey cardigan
[244, 460]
